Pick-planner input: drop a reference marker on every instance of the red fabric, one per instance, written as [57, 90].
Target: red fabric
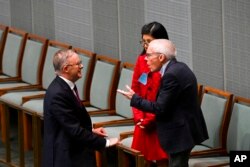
[146, 140]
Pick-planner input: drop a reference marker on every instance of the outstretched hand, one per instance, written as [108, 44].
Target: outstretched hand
[128, 94]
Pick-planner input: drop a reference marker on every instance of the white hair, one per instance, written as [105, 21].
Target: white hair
[60, 58]
[163, 46]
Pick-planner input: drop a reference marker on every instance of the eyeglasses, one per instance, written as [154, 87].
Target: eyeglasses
[148, 55]
[142, 42]
[79, 64]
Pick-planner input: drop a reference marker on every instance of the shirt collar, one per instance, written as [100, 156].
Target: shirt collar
[70, 83]
[163, 68]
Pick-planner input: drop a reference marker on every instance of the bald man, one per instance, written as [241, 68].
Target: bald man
[179, 119]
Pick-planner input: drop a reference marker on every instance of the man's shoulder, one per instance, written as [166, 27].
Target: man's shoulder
[178, 69]
[177, 65]
[55, 85]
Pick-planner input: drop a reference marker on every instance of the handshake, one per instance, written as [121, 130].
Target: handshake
[109, 141]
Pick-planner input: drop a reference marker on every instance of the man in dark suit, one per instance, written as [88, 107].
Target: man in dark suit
[69, 140]
[179, 119]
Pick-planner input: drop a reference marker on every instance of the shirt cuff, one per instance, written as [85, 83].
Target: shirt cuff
[107, 142]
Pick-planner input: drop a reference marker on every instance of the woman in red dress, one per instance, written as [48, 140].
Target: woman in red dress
[146, 84]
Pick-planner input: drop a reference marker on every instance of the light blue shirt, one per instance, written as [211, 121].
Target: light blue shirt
[163, 68]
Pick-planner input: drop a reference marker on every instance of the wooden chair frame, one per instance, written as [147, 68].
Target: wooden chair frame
[200, 93]
[225, 123]
[240, 100]
[2, 42]
[19, 78]
[4, 108]
[112, 89]
[23, 34]
[124, 121]
[39, 78]
[5, 116]
[123, 160]
[89, 70]
[122, 150]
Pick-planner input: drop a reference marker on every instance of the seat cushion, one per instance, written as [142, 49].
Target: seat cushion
[15, 98]
[34, 106]
[204, 162]
[105, 118]
[4, 76]
[12, 84]
[91, 109]
[200, 148]
[115, 131]
[127, 141]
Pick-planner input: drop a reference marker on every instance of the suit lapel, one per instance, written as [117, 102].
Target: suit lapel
[66, 87]
[172, 61]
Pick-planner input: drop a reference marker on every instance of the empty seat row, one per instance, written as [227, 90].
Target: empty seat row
[226, 118]
[26, 73]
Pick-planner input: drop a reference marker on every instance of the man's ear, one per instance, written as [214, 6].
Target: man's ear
[65, 68]
[162, 57]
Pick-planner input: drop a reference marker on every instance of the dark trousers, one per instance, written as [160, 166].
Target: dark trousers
[179, 159]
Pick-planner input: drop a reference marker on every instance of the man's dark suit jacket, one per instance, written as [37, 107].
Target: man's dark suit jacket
[179, 119]
[68, 139]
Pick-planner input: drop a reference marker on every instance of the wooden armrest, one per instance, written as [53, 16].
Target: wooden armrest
[10, 79]
[128, 150]
[27, 98]
[40, 116]
[28, 87]
[219, 165]
[114, 123]
[109, 111]
[102, 112]
[209, 152]
[86, 103]
[124, 135]
[99, 112]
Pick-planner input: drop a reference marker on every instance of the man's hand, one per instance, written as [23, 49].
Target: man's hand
[100, 131]
[128, 94]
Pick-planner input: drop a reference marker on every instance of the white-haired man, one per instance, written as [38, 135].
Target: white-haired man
[179, 119]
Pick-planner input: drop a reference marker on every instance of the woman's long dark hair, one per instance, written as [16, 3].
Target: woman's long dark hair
[156, 30]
